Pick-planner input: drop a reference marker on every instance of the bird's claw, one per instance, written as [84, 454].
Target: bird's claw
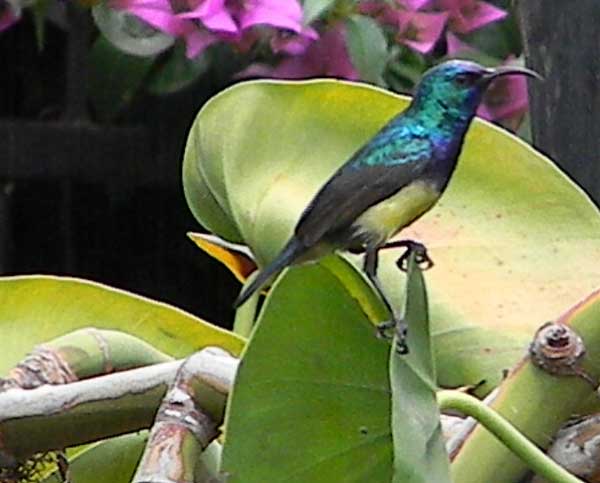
[382, 329]
[401, 331]
[421, 256]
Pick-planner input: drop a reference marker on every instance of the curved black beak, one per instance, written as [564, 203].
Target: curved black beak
[491, 74]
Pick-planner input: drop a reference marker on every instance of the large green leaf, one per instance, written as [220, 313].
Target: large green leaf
[505, 237]
[311, 401]
[419, 450]
[34, 309]
[312, 396]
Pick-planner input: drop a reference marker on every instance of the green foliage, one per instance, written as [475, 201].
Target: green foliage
[39, 10]
[114, 460]
[176, 71]
[312, 397]
[367, 46]
[313, 9]
[419, 451]
[35, 309]
[115, 77]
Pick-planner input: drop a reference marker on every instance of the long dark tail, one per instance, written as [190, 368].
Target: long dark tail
[290, 252]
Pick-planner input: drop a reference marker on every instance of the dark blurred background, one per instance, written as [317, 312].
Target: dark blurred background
[98, 201]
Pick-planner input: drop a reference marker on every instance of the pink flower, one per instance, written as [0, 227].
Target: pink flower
[412, 4]
[374, 6]
[212, 14]
[206, 23]
[505, 99]
[469, 15]
[197, 40]
[383, 12]
[291, 43]
[279, 20]
[189, 26]
[419, 30]
[281, 14]
[8, 15]
[456, 46]
[327, 57]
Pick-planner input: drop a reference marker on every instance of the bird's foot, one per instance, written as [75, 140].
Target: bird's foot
[421, 255]
[383, 329]
[400, 330]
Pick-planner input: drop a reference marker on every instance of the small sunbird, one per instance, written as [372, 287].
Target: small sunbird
[392, 180]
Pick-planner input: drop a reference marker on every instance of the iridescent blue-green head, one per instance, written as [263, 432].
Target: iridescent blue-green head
[454, 89]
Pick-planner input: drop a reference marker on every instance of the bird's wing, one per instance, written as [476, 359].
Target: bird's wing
[353, 189]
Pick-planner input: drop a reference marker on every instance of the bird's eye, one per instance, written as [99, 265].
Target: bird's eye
[465, 79]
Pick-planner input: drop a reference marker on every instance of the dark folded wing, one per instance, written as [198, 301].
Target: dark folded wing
[353, 189]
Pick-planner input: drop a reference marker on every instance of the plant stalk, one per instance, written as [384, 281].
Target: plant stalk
[535, 458]
[54, 417]
[182, 430]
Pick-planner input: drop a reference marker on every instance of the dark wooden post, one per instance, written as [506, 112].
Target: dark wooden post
[561, 41]
[6, 188]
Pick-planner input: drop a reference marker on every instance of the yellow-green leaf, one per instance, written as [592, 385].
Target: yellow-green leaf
[35, 309]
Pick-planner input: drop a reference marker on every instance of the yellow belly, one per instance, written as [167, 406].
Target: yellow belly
[385, 219]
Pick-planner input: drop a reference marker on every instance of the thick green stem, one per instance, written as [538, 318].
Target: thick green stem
[536, 459]
[245, 316]
[535, 402]
[183, 427]
[82, 354]
[59, 416]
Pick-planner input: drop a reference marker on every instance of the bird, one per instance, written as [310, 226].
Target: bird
[392, 180]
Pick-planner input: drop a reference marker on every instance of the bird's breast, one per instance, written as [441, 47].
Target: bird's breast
[384, 219]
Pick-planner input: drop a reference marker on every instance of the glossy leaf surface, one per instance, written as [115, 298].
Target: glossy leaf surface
[312, 395]
[39, 308]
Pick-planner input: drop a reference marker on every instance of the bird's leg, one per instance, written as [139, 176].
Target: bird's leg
[420, 251]
[370, 268]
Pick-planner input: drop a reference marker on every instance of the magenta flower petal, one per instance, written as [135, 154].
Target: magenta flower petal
[220, 22]
[419, 30]
[255, 70]
[8, 17]
[293, 44]
[156, 13]
[208, 8]
[506, 98]
[484, 113]
[327, 57]
[383, 12]
[413, 4]
[213, 15]
[456, 46]
[196, 40]
[284, 14]
[469, 15]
